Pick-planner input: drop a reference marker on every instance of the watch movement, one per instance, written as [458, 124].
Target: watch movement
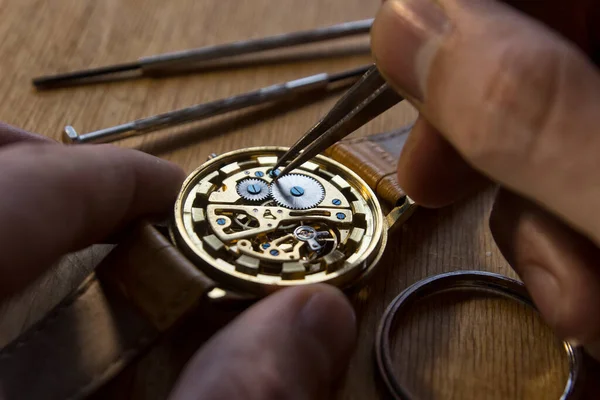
[320, 223]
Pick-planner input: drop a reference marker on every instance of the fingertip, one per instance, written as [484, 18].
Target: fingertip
[330, 318]
[139, 159]
[64, 198]
[593, 349]
[404, 40]
[384, 46]
[10, 134]
[158, 181]
[298, 340]
[432, 172]
[556, 263]
[325, 314]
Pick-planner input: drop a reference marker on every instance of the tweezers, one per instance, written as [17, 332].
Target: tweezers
[365, 100]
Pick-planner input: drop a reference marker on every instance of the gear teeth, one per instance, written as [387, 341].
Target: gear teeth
[242, 189]
[315, 193]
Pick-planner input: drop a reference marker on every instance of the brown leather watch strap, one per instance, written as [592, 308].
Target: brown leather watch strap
[155, 276]
[141, 289]
[374, 158]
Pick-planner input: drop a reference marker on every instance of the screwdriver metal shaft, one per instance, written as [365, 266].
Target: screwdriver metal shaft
[213, 108]
[163, 62]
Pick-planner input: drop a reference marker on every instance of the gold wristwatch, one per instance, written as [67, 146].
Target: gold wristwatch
[234, 236]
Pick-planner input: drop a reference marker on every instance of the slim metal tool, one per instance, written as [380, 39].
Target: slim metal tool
[162, 62]
[206, 110]
[365, 100]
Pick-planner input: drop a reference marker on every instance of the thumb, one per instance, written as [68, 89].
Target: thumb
[292, 345]
[518, 102]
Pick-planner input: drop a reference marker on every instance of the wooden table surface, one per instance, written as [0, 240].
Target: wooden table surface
[455, 347]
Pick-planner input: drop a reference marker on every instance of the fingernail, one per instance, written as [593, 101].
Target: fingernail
[329, 318]
[545, 290]
[405, 37]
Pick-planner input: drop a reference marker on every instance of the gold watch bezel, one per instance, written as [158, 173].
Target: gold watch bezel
[346, 277]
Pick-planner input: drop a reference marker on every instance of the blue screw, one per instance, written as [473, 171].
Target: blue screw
[273, 173]
[254, 189]
[221, 221]
[336, 202]
[266, 245]
[274, 252]
[297, 191]
[340, 216]
[260, 174]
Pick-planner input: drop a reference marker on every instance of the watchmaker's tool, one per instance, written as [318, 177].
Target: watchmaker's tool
[211, 109]
[365, 100]
[361, 104]
[164, 62]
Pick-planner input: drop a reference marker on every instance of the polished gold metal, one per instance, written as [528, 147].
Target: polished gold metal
[400, 214]
[256, 247]
[268, 218]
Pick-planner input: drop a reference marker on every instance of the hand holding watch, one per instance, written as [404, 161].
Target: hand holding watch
[325, 223]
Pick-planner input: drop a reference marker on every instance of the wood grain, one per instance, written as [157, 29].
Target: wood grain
[467, 349]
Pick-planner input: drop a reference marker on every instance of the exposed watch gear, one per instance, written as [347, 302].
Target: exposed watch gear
[320, 223]
[253, 189]
[297, 191]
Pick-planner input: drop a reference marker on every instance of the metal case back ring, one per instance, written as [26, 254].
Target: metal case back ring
[459, 280]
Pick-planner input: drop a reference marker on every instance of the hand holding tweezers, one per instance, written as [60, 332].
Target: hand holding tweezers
[365, 100]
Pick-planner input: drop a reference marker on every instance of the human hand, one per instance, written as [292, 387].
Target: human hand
[58, 199]
[504, 99]
[295, 344]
